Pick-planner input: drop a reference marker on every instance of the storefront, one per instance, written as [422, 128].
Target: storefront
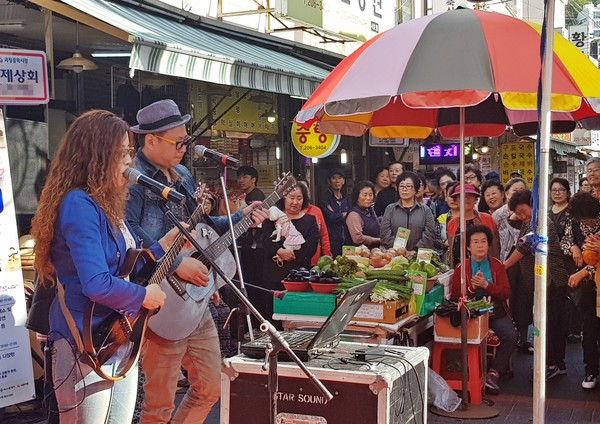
[241, 87]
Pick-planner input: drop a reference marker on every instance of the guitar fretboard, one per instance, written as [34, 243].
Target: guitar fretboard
[223, 242]
[167, 260]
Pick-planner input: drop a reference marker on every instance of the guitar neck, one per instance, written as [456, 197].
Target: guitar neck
[223, 242]
[171, 254]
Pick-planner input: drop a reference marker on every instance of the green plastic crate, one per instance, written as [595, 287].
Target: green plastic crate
[301, 303]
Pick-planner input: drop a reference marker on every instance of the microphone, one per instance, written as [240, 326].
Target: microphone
[167, 193]
[225, 160]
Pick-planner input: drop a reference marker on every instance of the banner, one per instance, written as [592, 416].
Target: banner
[16, 372]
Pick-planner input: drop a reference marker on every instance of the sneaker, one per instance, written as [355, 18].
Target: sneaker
[552, 371]
[590, 382]
[491, 382]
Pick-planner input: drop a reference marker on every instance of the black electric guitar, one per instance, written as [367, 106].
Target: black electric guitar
[118, 338]
[186, 303]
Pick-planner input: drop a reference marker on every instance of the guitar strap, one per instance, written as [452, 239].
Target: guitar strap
[71, 323]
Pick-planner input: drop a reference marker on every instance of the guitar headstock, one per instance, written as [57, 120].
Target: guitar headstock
[202, 187]
[202, 195]
[285, 184]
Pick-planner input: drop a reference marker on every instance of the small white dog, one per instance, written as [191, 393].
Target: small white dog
[293, 239]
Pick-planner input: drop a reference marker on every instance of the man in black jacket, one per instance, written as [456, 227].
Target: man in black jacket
[335, 207]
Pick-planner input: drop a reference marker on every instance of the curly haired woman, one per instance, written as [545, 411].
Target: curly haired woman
[81, 241]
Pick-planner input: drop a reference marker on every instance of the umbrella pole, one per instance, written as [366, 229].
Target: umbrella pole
[466, 411]
[463, 256]
[541, 259]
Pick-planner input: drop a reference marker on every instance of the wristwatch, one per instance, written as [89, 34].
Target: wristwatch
[590, 269]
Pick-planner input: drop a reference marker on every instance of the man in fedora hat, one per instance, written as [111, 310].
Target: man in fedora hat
[163, 140]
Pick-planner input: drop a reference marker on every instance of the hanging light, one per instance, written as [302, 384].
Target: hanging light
[271, 115]
[77, 63]
[484, 148]
[343, 156]
[475, 155]
[277, 153]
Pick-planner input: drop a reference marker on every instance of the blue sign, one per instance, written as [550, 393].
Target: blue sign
[443, 154]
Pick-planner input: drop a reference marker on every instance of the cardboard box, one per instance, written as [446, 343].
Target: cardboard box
[388, 312]
[305, 303]
[477, 330]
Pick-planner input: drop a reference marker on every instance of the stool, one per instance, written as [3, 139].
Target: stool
[476, 368]
[493, 343]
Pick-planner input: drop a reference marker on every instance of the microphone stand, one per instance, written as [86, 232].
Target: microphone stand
[240, 309]
[278, 343]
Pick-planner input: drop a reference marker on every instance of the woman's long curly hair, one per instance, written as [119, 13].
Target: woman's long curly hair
[87, 159]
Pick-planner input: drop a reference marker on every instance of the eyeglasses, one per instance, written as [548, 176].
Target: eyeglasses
[178, 144]
[558, 190]
[127, 151]
[470, 177]
[405, 187]
[593, 170]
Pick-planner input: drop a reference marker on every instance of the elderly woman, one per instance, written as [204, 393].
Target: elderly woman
[486, 276]
[584, 185]
[381, 179]
[508, 234]
[472, 217]
[361, 222]
[522, 304]
[279, 261]
[492, 196]
[408, 214]
[585, 210]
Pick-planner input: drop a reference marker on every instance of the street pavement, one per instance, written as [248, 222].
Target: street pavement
[566, 401]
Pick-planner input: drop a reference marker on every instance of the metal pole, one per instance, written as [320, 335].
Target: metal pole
[541, 259]
[463, 257]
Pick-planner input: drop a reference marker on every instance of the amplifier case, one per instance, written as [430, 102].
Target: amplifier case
[374, 393]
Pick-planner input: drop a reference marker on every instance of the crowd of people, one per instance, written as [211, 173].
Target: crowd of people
[89, 216]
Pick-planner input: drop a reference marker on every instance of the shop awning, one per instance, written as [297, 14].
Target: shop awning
[562, 148]
[174, 48]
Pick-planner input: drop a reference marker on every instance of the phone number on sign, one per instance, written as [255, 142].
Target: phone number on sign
[314, 148]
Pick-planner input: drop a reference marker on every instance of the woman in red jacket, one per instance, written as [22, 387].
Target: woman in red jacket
[486, 276]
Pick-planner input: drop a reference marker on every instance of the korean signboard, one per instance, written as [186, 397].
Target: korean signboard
[16, 372]
[518, 157]
[23, 78]
[578, 35]
[388, 142]
[443, 153]
[244, 116]
[357, 19]
[311, 143]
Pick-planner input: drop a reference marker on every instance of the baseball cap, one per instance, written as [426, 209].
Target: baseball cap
[469, 189]
[336, 171]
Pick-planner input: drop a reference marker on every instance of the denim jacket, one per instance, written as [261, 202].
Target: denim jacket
[144, 213]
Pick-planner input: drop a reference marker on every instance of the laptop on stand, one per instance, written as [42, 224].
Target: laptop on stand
[307, 344]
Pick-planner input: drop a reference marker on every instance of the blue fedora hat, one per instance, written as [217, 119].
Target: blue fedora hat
[158, 117]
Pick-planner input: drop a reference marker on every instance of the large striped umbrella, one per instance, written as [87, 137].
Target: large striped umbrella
[412, 79]
[465, 73]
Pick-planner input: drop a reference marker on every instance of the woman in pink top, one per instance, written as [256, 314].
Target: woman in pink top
[324, 246]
